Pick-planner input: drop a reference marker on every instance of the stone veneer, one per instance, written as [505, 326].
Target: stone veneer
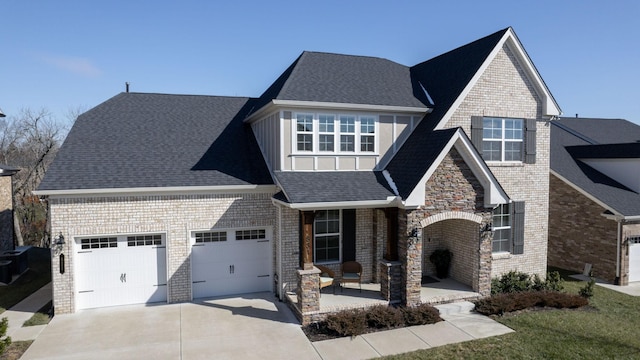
[579, 234]
[6, 213]
[175, 215]
[503, 90]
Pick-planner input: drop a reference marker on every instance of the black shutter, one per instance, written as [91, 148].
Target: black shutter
[476, 132]
[517, 226]
[530, 141]
[349, 235]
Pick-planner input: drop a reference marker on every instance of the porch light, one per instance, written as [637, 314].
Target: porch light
[59, 239]
[486, 227]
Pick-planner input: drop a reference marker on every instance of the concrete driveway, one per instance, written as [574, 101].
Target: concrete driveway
[253, 326]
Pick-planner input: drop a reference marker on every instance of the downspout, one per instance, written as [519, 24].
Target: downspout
[280, 277]
[618, 251]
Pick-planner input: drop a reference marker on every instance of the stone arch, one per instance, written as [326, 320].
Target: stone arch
[450, 215]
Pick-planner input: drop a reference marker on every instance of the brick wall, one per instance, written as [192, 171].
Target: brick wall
[503, 90]
[174, 215]
[290, 242]
[6, 213]
[579, 234]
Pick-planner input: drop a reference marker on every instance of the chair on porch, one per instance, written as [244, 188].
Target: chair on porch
[326, 278]
[351, 273]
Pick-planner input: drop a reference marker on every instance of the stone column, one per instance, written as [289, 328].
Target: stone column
[410, 252]
[482, 282]
[308, 293]
[391, 280]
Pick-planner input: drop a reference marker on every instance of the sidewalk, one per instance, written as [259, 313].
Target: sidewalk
[460, 325]
[23, 311]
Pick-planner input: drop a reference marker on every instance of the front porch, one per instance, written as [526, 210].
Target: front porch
[349, 297]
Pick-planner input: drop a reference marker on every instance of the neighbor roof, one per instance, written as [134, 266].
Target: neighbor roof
[573, 139]
[136, 140]
[6, 170]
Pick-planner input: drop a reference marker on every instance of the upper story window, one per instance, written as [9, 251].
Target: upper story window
[504, 139]
[329, 133]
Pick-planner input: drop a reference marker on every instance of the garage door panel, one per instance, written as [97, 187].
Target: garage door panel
[634, 259]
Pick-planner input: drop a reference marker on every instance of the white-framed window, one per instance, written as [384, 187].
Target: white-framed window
[327, 236]
[252, 234]
[99, 243]
[210, 236]
[144, 240]
[325, 133]
[304, 132]
[502, 139]
[501, 229]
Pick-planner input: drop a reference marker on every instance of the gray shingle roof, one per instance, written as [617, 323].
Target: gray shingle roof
[155, 140]
[325, 77]
[575, 138]
[333, 186]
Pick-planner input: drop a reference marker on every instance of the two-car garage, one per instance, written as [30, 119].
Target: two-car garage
[132, 269]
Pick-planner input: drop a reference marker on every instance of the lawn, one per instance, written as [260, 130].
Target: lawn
[607, 329]
[38, 275]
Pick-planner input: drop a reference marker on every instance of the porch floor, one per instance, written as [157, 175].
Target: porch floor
[350, 297]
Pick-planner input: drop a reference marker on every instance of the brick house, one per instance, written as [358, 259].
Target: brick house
[175, 197]
[594, 198]
[6, 207]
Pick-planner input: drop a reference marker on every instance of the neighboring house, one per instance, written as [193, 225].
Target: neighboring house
[6, 207]
[594, 198]
[176, 197]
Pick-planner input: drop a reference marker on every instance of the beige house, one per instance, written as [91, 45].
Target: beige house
[6, 207]
[343, 158]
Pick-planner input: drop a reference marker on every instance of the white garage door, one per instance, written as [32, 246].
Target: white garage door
[634, 258]
[120, 270]
[230, 262]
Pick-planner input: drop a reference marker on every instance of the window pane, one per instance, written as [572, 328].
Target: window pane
[513, 129]
[347, 124]
[492, 150]
[366, 143]
[333, 241]
[333, 254]
[321, 227]
[367, 125]
[512, 151]
[333, 226]
[492, 128]
[304, 142]
[326, 123]
[346, 143]
[305, 123]
[325, 143]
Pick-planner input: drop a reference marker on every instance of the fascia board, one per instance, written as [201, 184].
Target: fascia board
[158, 190]
[355, 107]
[389, 202]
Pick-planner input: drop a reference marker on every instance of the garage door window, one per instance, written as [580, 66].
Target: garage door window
[144, 240]
[210, 236]
[633, 239]
[254, 234]
[99, 243]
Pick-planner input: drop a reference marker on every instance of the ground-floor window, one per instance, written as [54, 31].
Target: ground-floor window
[327, 236]
[502, 229]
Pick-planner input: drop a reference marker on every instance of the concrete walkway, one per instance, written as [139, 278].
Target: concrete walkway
[460, 325]
[23, 311]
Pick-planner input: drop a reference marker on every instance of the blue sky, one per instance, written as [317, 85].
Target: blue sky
[63, 55]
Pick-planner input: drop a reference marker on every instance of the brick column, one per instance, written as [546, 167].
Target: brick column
[391, 284]
[308, 293]
[482, 282]
[410, 253]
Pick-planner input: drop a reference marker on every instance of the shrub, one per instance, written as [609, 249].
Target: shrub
[554, 281]
[382, 316]
[587, 291]
[348, 322]
[4, 343]
[422, 314]
[508, 302]
[516, 281]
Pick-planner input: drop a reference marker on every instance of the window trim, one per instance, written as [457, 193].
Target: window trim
[339, 233]
[337, 133]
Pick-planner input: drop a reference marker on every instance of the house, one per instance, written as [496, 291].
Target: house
[6, 207]
[174, 197]
[594, 211]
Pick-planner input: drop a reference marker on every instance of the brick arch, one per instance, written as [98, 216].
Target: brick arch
[450, 215]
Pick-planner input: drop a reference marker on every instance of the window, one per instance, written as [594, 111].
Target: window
[327, 236]
[304, 130]
[326, 130]
[99, 243]
[347, 133]
[504, 139]
[144, 240]
[210, 236]
[502, 229]
[367, 131]
[254, 234]
[335, 133]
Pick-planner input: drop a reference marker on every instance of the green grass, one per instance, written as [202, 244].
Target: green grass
[38, 275]
[607, 329]
[41, 317]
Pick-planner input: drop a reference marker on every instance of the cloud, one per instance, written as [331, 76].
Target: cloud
[76, 65]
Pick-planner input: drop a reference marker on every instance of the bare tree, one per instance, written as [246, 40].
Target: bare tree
[29, 142]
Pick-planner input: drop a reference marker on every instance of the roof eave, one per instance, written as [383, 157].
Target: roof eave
[156, 190]
[392, 201]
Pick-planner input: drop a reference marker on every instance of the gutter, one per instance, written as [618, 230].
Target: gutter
[390, 202]
[618, 251]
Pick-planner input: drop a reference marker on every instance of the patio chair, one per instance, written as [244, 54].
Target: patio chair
[351, 273]
[326, 278]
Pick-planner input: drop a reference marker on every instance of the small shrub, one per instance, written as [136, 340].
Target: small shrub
[348, 322]
[554, 281]
[516, 281]
[508, 302]
[587, 291]
[422, 314]
[4, 343]
[381, 317]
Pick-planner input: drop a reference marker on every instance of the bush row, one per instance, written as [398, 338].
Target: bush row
[507, 302]
[516, 281]
[357, 322]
